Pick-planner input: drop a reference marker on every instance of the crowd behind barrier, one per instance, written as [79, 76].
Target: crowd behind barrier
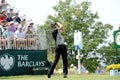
[29, 42]
[18, 33]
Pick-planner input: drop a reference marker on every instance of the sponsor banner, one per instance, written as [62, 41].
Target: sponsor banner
[117, 39]
[19, 62]
[78, 40]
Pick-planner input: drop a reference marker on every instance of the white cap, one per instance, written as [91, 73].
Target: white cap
[13, 17]
[19, 26]
[11, 22]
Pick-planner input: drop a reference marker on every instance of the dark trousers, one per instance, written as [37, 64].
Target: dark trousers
[60, 50]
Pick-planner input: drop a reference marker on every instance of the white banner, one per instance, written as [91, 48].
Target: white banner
[78, 40]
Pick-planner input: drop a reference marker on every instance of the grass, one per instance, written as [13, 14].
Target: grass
[60, 77]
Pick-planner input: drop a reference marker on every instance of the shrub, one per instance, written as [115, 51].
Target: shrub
[112, 67]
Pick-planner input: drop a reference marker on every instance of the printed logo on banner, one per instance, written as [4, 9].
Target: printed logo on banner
[78, 40]
[7, 62]
[77, 47]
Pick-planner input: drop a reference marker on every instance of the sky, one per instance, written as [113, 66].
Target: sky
[38, 10]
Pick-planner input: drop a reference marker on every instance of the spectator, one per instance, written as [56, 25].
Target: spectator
[1, 29]
[22, 24]
[32, 27]
[16, 24]
[2, 16]
[98, 70]
[9, 18]
[3, 24]
[12, 27]
[30, 37]
[1, 32]
[3, 12]
[18, 19]
[1, 41]
[3, 5]
[19, 37]
[7, 34]
[11, 11]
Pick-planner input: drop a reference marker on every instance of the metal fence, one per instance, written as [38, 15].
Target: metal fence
[37, 41]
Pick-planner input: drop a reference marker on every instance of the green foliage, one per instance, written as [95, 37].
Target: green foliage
[72, 57]
[78, 17]
[91, 65]
[108, 54]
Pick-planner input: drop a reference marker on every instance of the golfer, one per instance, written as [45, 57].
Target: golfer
[56, 30]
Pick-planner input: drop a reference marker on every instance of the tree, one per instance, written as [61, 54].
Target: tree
[75, 16]
[108, 54]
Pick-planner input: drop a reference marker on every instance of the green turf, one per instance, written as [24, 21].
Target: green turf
[60, 77]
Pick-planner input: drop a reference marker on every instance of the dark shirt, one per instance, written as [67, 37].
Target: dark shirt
[9, 19]
[18, 20]
[54, 33]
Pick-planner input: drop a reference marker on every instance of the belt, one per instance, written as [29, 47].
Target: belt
[61, 45]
